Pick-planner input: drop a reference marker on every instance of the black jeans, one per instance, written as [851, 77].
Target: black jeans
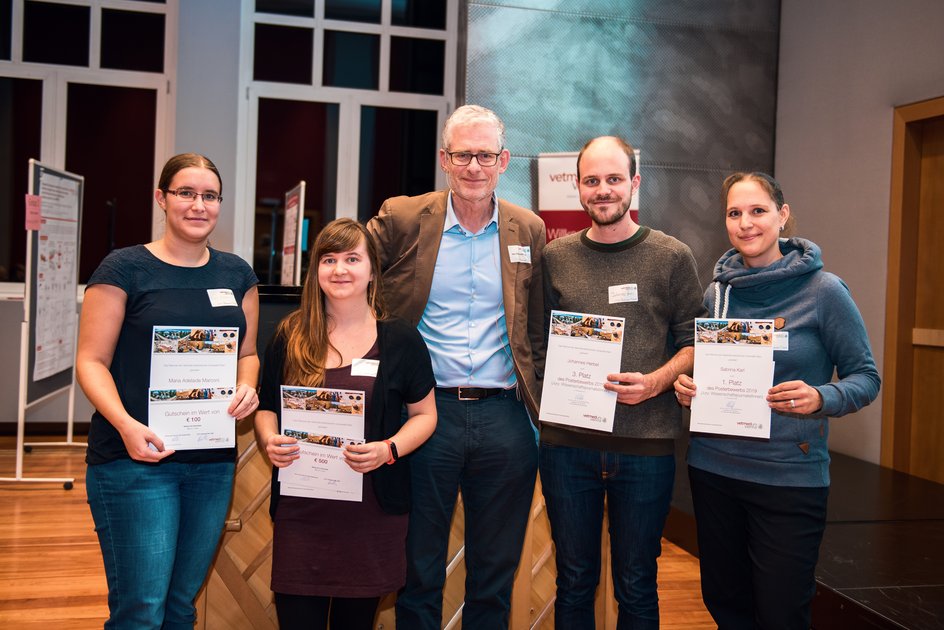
[758, 545]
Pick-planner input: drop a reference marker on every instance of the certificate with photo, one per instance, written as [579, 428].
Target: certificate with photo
[734, 368]
[582, 349]
[193, 418]
[192, 383]
[323, 421]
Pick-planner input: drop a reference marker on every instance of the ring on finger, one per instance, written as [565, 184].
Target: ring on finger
[792, 404]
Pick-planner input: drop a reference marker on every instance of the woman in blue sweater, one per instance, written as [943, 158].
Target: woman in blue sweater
[760, 505]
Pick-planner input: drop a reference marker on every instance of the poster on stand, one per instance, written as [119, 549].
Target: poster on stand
[58, 204]
[291, 273]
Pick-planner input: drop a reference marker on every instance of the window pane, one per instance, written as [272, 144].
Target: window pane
[21, 106]
[132, 40]
[420, 13]
[300, 8]
[351, 60]
[353, 10]
[283, 54]
[110, 140]
[56, 33]
[298, 140]
[6, 26]
[398, 156]
[416, 65]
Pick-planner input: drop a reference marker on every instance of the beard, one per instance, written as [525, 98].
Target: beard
[603, 219]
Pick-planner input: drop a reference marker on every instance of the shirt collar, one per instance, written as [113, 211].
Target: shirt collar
[452, 222]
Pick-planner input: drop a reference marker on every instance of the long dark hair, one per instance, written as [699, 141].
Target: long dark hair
[306, 330]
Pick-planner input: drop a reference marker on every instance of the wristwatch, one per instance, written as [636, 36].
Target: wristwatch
[394, 456]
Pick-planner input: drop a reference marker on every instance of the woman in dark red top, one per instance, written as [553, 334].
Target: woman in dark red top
[337, 558]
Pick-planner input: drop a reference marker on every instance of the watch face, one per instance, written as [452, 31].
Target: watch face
[393, 451]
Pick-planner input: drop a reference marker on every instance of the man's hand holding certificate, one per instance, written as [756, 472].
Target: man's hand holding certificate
[582, 349]
[193, 380]
[734, 368]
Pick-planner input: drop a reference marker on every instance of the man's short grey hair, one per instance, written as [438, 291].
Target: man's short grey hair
[469, 115]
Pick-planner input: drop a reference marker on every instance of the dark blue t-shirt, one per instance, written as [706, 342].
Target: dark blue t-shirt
[161, 294]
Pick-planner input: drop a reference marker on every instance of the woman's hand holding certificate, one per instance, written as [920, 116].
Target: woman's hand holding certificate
[734, 369]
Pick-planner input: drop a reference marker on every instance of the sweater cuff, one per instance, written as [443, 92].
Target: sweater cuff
[832, 400]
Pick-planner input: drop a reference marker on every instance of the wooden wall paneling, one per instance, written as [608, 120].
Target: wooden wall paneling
[927, 432]
[900, 290]
[237, 594]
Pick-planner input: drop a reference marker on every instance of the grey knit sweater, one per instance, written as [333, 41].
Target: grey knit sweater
[577, 275]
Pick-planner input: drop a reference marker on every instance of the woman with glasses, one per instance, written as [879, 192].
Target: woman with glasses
[159, 513]
[332, 560]
[760, 505]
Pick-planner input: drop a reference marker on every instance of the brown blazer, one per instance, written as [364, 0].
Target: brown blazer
[408, 232]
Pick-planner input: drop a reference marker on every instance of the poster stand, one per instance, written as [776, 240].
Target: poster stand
[292, 236]
[48, 333]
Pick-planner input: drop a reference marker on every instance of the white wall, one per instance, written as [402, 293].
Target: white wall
[844, 66]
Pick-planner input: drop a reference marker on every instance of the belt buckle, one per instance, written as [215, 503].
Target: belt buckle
[461, 397]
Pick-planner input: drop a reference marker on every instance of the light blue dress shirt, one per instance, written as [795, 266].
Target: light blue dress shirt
[464, 321]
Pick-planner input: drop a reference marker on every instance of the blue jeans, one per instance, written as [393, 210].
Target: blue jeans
[487, 448]
[158, 526]
[638, 491]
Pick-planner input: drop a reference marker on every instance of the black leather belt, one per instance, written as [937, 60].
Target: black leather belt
[471, 393]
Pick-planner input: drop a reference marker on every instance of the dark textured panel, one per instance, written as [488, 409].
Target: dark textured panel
[914, 607]
[880, 554]
[891, 495]
[742, 15]
[692, 84]
[693, 96]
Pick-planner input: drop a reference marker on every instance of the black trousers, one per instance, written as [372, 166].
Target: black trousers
[758, 545]
[305, 612]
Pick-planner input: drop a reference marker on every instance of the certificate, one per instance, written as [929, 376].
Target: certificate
[582, 349]
[193, 381]
[734, 368]
[192, 418]
[323, 421]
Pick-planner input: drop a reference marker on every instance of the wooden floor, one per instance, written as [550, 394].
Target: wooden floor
[51, 573]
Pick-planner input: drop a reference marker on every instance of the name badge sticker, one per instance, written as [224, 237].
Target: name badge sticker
[781, 340]
[221, 297]
[364, 367]
[620, 293]
[519, 254]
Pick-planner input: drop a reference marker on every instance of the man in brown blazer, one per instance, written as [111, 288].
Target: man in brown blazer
[466, 268]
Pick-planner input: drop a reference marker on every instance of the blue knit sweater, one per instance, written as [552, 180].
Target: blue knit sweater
[826, 335]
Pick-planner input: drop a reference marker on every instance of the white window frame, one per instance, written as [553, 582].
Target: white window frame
[56, 80]
[348, 100]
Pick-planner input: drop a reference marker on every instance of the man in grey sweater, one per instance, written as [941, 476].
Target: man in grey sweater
[618, 268]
